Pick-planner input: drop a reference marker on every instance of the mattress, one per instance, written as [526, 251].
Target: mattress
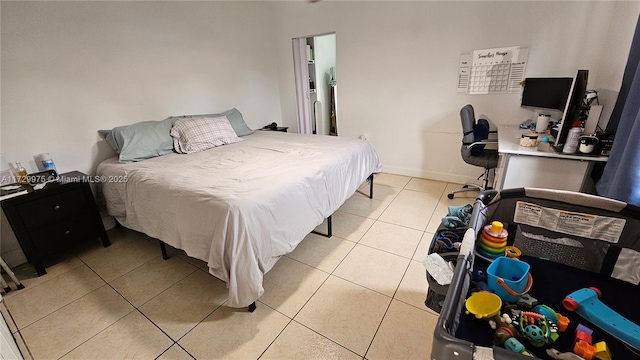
[238, 207]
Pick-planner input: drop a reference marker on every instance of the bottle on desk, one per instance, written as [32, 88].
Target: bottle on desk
[21, 173]
[544, 145]
[47, 161]
[573, 139]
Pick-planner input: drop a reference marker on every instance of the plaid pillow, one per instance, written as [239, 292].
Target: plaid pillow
[196, 134]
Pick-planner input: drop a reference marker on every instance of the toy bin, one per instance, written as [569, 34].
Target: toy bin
[442, 243]
[437, 293]
[569, 241]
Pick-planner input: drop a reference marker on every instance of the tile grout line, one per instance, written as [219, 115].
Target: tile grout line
[122, 296]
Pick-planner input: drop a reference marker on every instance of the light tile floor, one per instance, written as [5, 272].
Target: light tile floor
[357, 295]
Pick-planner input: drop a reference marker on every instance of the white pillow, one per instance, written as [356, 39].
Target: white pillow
[196, 134]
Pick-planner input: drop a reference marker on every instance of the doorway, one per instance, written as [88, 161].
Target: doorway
[316, 85]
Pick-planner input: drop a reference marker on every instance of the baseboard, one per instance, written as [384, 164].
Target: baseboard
[14, 258]
[431, 175]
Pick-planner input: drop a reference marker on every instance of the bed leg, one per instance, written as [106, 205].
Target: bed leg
[329, 229]
[163, 248]
[370, 186]
[252, 307]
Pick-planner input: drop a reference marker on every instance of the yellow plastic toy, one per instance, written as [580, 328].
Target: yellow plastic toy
[602, 351]
[483, 305]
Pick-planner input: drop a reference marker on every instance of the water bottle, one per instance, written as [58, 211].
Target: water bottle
[21, 173]
[47, 162]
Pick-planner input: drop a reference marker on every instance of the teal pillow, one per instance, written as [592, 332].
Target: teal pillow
[234, 116]
[106, 136]
[141, 140]
[237, 122]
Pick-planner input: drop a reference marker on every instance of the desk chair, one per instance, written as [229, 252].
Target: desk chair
[473, 151]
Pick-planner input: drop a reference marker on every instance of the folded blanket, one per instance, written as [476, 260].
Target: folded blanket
[458, 216]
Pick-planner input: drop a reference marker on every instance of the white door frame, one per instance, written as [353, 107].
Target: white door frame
[301, 71]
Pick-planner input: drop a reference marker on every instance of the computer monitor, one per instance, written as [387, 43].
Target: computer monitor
[546, 93]
[573, 107]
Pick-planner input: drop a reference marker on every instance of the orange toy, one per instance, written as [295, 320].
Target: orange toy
[584, 349]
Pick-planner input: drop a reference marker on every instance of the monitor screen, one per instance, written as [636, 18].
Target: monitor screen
[546, 93]
[575, 104]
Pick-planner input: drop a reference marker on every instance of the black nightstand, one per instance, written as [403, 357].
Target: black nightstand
[55, 218]
[279, 128]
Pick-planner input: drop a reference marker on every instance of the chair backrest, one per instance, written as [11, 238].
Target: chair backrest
[468, 119]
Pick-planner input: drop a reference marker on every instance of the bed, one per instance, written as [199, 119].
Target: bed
[241, 206]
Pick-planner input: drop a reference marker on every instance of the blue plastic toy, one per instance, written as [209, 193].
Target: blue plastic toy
[586, 303]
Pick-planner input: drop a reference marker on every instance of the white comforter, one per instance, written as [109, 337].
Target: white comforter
[239, 207]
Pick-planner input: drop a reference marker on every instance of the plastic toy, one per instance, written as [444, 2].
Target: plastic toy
[509, 278]
[557, 318]
[483, 305]
[535, 327]
[582, 336]
[602, 351]
[479, 281]
[587, 304]
[446, 241]
[515, 345]
[493, 240]
[512, 252]
[528, 301]
[504, 330]
[584, 329]
[505, 334]
[585, 350]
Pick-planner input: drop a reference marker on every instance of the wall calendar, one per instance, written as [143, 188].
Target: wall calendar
[489, 71]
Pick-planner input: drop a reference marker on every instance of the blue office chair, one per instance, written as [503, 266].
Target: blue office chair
[473, 149]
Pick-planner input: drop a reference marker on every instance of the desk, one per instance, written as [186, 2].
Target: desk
[539, 167]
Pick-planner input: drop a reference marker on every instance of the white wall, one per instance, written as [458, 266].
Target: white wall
[71, 68]
[398, 66]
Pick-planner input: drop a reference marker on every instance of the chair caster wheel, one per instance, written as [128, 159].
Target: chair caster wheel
[450, 196]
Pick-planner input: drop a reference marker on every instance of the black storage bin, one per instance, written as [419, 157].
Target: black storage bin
[437, 293]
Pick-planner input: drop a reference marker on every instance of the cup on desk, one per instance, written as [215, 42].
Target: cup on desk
[588, 144]
[542, 123]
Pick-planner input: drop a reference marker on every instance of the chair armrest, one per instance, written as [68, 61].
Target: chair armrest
[483, 142]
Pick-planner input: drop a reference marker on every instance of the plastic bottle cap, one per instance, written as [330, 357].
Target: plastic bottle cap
[496, 227]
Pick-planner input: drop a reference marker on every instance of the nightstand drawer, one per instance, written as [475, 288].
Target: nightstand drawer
[53, 208]
[64, 234]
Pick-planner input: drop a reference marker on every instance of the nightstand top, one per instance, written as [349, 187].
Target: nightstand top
[64, 178]
[279, 128]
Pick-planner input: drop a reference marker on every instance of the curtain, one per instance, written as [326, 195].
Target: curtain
[301, 71]
[621, 176]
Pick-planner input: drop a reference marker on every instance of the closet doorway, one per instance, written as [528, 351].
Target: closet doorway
[314, 59]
